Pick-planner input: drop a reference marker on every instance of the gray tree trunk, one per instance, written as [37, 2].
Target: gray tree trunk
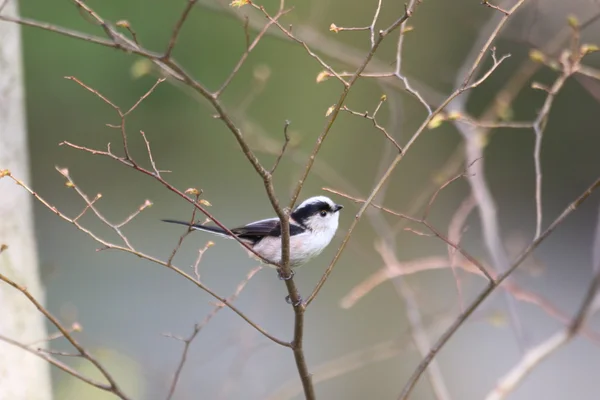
[23, 376]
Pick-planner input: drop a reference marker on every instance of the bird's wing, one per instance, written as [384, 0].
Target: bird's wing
[265, 227]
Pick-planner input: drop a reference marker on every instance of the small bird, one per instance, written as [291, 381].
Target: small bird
[312, 226]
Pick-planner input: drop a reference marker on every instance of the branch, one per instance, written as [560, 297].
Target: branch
[336, 110]
[198, 327]
[177, 28]
[373, 119]
[63, 367]
[109, 245]
[441, 342]
[285, 144]
[536, 355]
[112, 386]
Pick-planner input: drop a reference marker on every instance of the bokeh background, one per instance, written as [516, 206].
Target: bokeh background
[126, 305]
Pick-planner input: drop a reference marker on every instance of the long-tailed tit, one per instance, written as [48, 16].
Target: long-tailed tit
[312, 226]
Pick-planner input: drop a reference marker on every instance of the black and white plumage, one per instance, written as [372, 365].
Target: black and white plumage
[312, 226]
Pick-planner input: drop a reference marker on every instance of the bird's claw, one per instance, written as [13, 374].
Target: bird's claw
[296, 304]
[283, 277]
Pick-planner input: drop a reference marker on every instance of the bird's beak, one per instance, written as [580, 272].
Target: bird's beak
[337, 207]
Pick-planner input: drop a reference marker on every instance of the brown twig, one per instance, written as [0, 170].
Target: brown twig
[249, 47]
[373, 119]
[488, 43]
[182, 18]
[283, 148]
[62, 366]
[493, 7]
[199, 258]
[289, 34]
[197, 193]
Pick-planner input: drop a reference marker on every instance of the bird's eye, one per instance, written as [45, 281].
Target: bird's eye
[323, 213]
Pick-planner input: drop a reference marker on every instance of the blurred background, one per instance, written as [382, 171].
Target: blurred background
[363, 350]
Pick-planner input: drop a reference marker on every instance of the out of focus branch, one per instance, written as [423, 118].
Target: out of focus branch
[111, 387]
[534, 356]
[441, 342]
[539, 353]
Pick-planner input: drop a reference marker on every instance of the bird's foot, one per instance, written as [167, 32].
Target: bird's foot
[296, 304]
[284, 277]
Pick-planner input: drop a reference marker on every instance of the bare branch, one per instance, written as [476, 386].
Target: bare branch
[488, 4]
[177, 28]
[63, 367]
[372, 26]
[539, 353]
[198, 327]
[375, 123]
[335, 112]
[199, 258]
[428, 225]
[441, 342]
[488, 43]
[384, 178]
[536, 355]
[249, 48]
[144, 256]
[283, 148]
[112, 387]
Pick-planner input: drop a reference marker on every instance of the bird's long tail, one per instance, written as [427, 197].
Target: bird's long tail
[212, 229]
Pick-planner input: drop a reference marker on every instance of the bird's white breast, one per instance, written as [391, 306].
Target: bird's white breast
[303, 247]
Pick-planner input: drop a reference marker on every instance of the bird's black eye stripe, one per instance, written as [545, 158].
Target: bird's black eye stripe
[302, 214]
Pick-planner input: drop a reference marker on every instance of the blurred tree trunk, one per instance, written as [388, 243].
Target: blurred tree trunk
[23, 376]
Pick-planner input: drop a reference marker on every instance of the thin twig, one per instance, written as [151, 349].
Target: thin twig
[284, 147]
[488, 43]
[249, 47]
[182, 18]
[62, 366]
[398, 71]
[375, 123]
[372, 26]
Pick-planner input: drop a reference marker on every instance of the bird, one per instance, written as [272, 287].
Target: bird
[313, 224]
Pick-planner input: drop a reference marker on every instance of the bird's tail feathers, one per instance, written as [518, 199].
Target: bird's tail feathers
[212, 229]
